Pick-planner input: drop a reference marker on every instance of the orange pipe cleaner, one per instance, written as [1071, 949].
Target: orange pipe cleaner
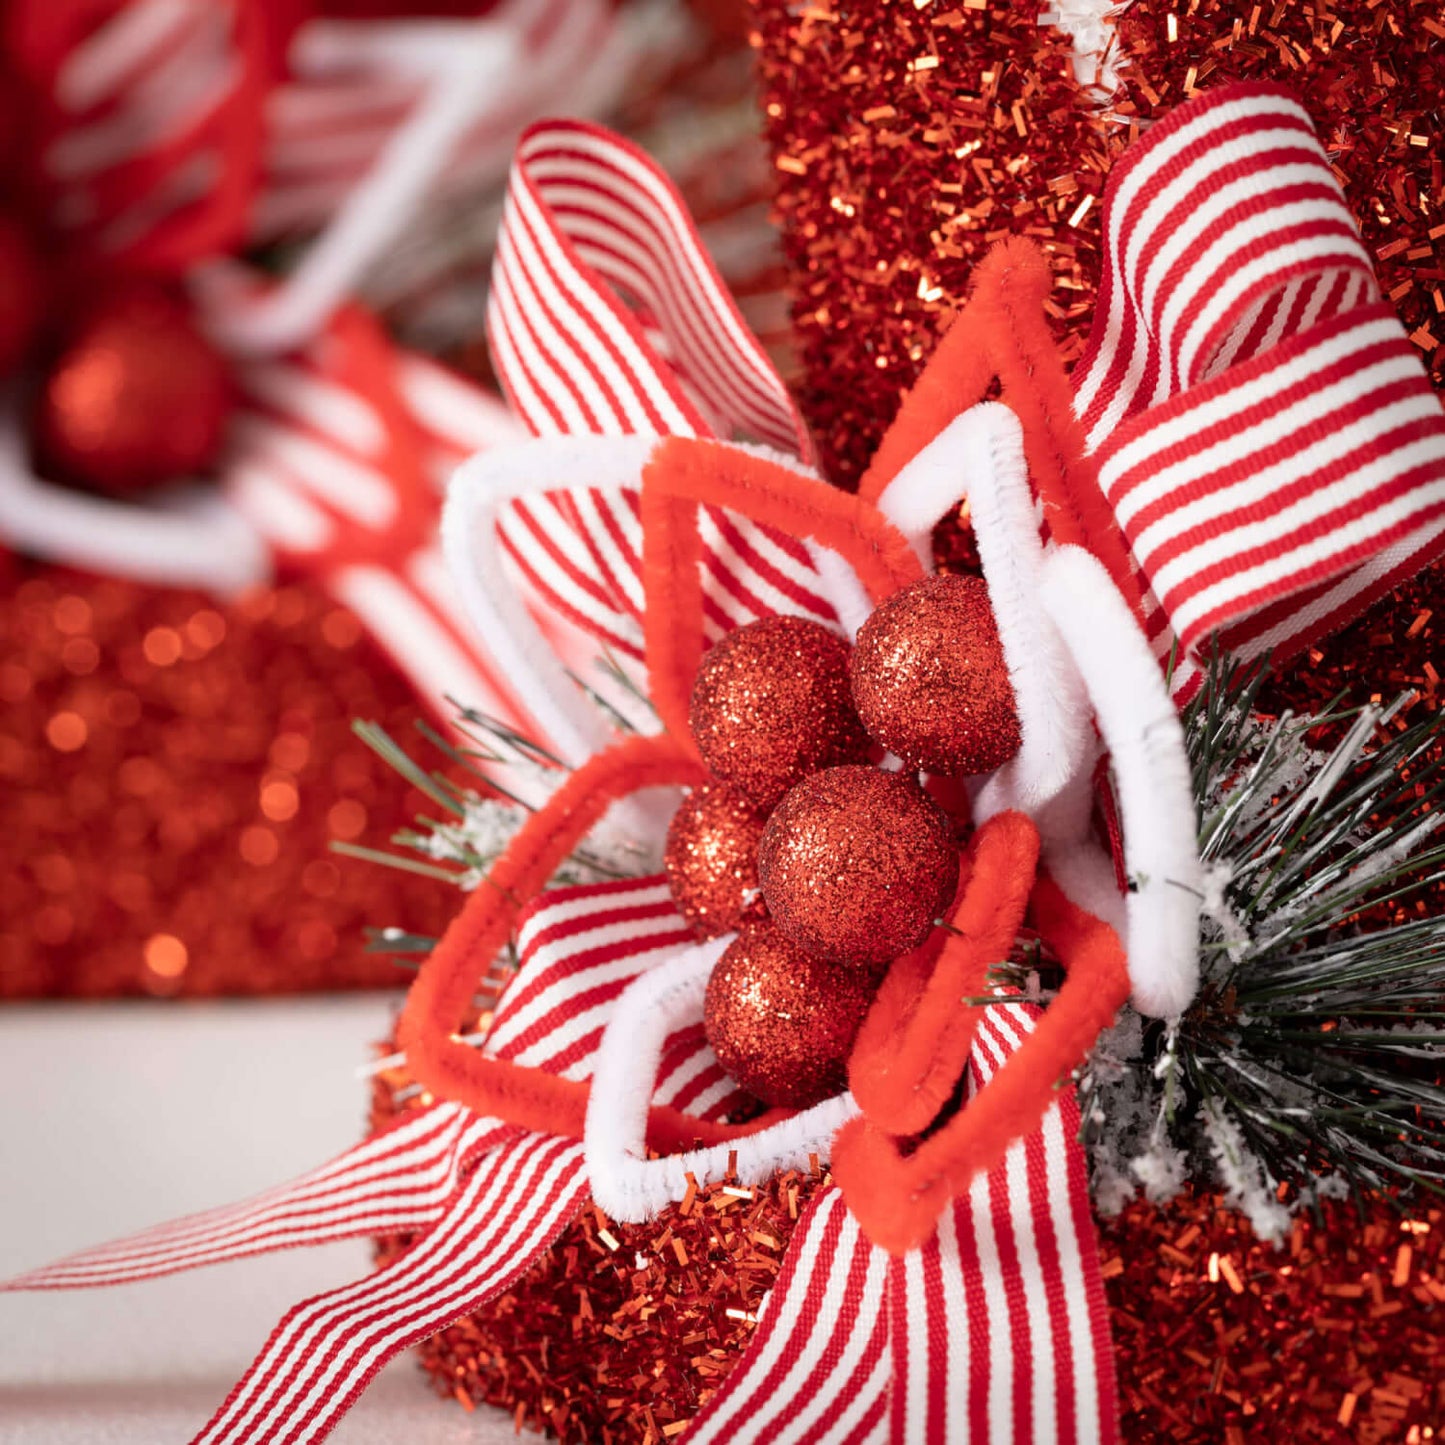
[682, 475]
[1002, 332]
[897, 1199]
[533, 1098]
[914, 1044]
[672, 631]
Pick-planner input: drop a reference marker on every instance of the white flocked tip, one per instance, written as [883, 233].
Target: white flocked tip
[1144, 736]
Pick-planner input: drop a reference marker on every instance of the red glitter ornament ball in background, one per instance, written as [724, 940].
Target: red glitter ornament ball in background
[930, 682]
[711, 858]
[772, 704]
[21, 293]
[856, 864]
[781, 1021]
[136, 397]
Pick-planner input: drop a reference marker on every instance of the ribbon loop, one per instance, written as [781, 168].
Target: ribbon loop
[1262, 426]
[1224, 231]
[590, 219]
[1269, 500]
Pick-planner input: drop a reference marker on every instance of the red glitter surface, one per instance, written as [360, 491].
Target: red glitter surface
[618, 1332]
[172, 771]
[906, 140]
[1338, 1335]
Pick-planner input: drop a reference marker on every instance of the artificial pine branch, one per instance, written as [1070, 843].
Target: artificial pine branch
[1314, 1055]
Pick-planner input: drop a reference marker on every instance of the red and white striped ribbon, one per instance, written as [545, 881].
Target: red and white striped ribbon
[150, 121]
[580, 948]
[1000, 1327]
[995, 1332]
[1263, 427]
[589, 219]
[329, 123]
[818, 1369]
[397, 1182]
[999, 1317]
[323, 1354]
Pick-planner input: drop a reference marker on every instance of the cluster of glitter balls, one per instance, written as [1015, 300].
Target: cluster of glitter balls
[827, 857]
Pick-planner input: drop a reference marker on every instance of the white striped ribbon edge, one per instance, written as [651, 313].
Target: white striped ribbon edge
[1343, 459]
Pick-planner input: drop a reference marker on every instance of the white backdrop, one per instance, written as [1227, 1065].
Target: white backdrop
[116, 1116]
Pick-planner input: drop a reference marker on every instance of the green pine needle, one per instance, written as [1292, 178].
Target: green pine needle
[1317, 1031]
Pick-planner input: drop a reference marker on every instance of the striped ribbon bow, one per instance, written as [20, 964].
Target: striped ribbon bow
[668, 497]
[924, 1348]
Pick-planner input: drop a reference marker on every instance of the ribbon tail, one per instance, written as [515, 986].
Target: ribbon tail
[995, 1329]
[324, 1353]
[998, 1324]
[395, 1182]
[817, 1370]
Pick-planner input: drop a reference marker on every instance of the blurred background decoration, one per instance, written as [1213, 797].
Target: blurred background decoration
[243, 260]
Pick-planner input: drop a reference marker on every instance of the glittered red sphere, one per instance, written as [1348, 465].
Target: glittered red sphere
[772, 704]
[20, 294]
[782, 1022]
[136, 397]
[711, 858]
[929, 678]
[856, 863]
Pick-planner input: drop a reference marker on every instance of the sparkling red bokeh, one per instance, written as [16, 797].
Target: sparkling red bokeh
[172, 772]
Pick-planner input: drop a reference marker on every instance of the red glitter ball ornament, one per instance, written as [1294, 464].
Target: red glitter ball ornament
[20, 293]
[781, 1021]
[856, 864]
[929, 679]
[711, 858]
[136, 397]
[771, 704]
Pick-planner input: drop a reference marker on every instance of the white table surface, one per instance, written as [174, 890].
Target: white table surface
[116, 1116]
